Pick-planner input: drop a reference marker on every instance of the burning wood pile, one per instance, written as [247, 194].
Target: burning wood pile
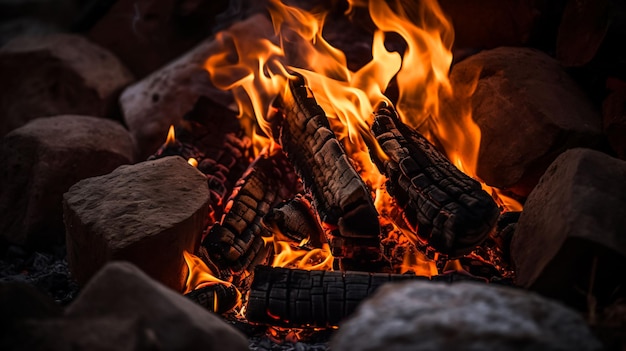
[285, 177]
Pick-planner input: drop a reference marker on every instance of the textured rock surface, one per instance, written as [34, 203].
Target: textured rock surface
[572, 230]
[528, 110]
[41, 160]
[147, 213]
[123, 309]
[57, 74]
[146, 34]
[614, 121]
[161, 99]
[461, 316]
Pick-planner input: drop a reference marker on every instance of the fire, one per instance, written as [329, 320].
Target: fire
[171, 136]
[192, 161]
[200, 276]
[256, 64]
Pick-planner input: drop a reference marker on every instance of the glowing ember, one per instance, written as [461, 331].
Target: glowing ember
[192, 161]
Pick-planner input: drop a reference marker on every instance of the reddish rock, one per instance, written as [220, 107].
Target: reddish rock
[123, 309]
[528, 110]
[614, 121]
[147, 34]
[147, 213]
[461, 316]
[57, 74]
[569, 242]
[151, 105]
[41, 160]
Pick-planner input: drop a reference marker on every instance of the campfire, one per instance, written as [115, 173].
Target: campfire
[288, 167]
[342, 180]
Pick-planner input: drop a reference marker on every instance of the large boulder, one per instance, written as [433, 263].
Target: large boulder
[528, 110]
[461, 316]
[570, 240]
[41, 160]
[123, 309]
[147, 213]
[57, 74]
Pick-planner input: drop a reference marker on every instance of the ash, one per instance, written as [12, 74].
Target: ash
[264, 343]
[46, 271]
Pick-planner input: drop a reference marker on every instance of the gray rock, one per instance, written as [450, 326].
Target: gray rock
[528, 110]
[147, 213]
[572, 231]
[461, 316]
[123, 309]
[57, 74]
[41, 160]
[161, 99]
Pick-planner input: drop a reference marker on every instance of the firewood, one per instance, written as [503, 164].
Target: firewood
[446, 208]
[297, 298]
[236, 243]
[340, 196]
[296, 221]
[218, 298]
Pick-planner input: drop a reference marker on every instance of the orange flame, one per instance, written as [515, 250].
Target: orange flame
[171, 136]
[287, 256]
[192, 161]
[200, 275]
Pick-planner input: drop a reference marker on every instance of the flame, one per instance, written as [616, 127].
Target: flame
[287, 256]
[192, 161]
[200, 275]
[171, 136]
[255, 63]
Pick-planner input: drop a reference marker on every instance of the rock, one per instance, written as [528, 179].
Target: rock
[486, 24]
[147, 213]
[57, 74]
[147, 34]
[123, 309]
[151, 105]
[572, 231]
[461, 316]
[41, 160]
[21, 302]
[528, 110]
[614, 121]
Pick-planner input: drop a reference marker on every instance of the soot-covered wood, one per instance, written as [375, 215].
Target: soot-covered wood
[219, 298]
[235, 243]
[447, 208]
[296, 298]
[340, 196]
[296, 221]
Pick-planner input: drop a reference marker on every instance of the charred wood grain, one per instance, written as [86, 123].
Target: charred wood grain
[297, 298]
[446, 208]
[340, 196]
[218, 298]
[214, 137]
[236, 243]
[296, 221]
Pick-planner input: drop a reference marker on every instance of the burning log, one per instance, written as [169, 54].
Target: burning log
[235, 243]
[298, 298]
[447, 208]
[219, 298]
[340, 196]
[296, 221]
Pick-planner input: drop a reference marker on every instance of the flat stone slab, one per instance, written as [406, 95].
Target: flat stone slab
[461, 316]
[529, 111]
[57, 74]
[147, 213]
[572, 230]
[41, 160]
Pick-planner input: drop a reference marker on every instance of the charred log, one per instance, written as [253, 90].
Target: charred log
[236, 243]
[340, 196]
[296, 221]
[446, 208]
[218, 298]
[297, 298]
[213, 136]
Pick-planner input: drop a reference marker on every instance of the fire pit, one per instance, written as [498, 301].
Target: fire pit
[303, 157]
